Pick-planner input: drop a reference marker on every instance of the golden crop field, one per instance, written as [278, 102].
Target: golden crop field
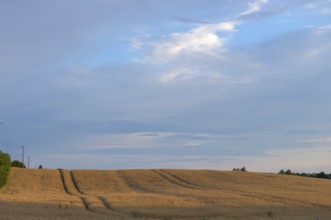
[162, 194]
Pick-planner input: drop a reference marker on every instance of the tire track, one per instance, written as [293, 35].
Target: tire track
[84, 196]
[172, 180]
[181, 180]
[72, 193]
[64, 183]
[132, 184]
[105, 202]
[85, 203]
[75, 183]
[243, 193]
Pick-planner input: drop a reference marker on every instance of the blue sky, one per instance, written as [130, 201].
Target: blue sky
[200, 84]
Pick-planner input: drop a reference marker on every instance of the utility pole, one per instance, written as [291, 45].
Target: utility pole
[28, 162]
[23, 154]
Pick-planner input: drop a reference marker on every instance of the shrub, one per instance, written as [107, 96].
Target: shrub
[321, 175]
[288, 172]
[4, 167]
[17, 163]
[243, 169]
[281, 172]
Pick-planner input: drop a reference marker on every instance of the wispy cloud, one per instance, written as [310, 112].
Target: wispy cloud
[190, 20]
[319, 140]
[321, 7]
[201, 40]
[253, 7]
[179, 74]
[124, 140]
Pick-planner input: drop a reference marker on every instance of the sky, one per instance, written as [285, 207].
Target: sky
[192, 84]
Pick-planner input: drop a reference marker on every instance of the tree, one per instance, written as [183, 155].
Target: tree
[288, 172]
[281, 171]
[321, 175]
[17, 163]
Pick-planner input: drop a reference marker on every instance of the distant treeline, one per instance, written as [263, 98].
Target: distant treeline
[313, 175]
[5, 163]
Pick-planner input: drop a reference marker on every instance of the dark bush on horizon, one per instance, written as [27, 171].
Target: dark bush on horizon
[288, 172]
[243, 169]
[17, 163]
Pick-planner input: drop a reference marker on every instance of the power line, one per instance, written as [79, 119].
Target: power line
[4, 140]
[7, 135]
[7, 139]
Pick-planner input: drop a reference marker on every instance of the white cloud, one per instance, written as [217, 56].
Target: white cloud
[203, 39]
[253, 7]
[179, 50]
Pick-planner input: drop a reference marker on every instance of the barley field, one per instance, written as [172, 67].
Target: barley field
[162, 194]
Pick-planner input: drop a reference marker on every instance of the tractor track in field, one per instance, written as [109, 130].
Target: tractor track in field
[242, 192]
[194, 186]
[105, 202]
[181, 179]
[64, 182]
[173, 180]
[69, 192]
[75, 183]
[132, 184]
[69, 180]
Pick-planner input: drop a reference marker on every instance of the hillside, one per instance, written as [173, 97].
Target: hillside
[164, 194]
